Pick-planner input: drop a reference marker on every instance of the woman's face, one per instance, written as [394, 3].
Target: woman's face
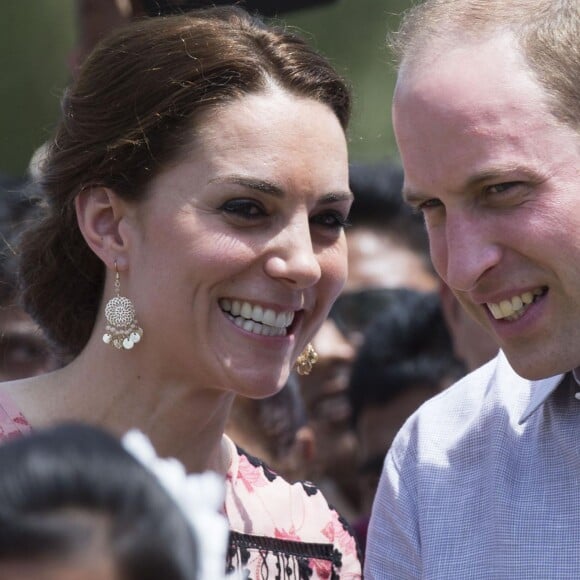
[239, 251]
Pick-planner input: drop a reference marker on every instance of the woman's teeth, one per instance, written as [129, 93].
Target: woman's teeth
[515, 307]
[256, 319]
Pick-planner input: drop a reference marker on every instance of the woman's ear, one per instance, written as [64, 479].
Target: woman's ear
[100, 212]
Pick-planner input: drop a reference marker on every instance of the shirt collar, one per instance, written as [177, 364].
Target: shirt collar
[541, 390]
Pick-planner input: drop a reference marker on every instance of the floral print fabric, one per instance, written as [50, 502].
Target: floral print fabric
[282, 530]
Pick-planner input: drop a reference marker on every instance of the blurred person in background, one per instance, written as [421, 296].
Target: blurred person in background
[24, 350]
[333, 462]
[387, 242]
[405, 358]
[472, 343]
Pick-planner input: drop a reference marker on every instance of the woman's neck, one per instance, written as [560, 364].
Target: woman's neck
[183, 420]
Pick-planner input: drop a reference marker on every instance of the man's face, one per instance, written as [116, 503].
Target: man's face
[497, 178]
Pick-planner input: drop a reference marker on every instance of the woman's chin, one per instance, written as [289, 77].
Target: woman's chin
[259, 385]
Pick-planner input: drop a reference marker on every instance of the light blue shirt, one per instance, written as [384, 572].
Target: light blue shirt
[483, 481]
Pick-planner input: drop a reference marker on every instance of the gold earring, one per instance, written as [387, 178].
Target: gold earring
[122, 330]
[306, 360]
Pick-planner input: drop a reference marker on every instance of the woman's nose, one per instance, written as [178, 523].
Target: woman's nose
[292, 257]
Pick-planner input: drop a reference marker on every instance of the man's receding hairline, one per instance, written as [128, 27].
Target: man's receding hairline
[455, 38]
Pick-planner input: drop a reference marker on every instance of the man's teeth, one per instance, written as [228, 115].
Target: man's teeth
[515, 307]
[256, 319]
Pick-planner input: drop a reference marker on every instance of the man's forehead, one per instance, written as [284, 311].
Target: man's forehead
[451, 71]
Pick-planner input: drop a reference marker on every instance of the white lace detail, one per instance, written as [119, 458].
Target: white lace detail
[199, 496]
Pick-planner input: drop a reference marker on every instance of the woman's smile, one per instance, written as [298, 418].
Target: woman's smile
[257, 319]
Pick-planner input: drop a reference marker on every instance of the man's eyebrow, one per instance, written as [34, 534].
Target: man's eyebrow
[501, 172]
[275, 190]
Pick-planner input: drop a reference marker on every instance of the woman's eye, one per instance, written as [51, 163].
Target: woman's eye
[331, 219]
[243, 208]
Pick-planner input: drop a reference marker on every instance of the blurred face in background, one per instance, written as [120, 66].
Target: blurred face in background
[471, 342]
[24, 351]
[376, 259]
[327, 405]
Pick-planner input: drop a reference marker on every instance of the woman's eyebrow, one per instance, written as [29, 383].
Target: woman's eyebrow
[275, 190]
[251, 183]
[337, 196]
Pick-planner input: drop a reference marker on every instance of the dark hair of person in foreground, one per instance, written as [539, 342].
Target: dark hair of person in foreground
[73, 496]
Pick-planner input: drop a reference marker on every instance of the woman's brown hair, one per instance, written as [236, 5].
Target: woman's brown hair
[133, 109]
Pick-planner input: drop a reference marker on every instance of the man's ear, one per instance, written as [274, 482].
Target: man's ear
[100, 213]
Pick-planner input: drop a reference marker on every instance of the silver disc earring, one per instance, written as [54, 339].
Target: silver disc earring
[122, 329]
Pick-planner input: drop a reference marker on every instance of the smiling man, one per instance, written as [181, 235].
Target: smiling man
[482, 481]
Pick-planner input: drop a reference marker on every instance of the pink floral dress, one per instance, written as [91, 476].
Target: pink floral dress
[279, 531]
[283, 531]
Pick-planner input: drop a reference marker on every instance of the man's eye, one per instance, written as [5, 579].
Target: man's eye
[244, 208]
[502, 187]
[331, 219]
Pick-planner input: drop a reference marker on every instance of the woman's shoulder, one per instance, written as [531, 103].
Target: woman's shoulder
[272, 504]
[253, 476]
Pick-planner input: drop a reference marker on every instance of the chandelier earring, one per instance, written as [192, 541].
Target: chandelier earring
[122, 329]
[306, 360]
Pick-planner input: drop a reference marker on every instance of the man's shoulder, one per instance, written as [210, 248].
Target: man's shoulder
[467, 395]
[459, 413]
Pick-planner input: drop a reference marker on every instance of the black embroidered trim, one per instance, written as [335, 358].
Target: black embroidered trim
[309, 488]
[299, 549]
[291, 560]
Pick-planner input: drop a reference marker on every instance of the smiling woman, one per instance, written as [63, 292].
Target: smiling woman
[198, 182]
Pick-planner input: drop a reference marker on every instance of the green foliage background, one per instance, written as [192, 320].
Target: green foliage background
[37, 36]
